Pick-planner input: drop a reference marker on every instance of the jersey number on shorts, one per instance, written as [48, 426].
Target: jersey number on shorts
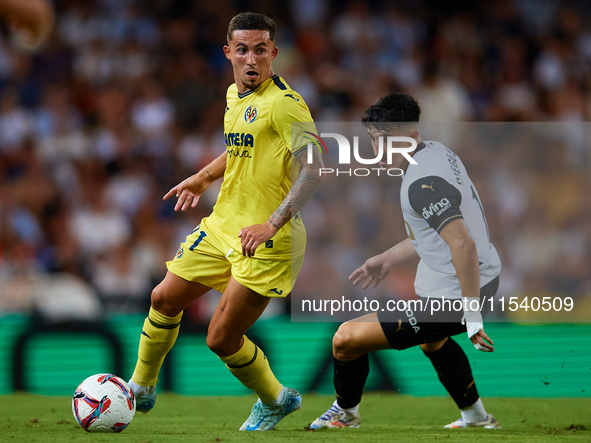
[202, 235]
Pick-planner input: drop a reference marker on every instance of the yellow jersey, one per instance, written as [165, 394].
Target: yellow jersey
[258, 176]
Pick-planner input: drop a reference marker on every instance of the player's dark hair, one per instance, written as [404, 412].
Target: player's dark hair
[252, 21]
[391, 112]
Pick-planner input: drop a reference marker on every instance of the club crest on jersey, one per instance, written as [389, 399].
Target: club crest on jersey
[179, 253]
[250, 114]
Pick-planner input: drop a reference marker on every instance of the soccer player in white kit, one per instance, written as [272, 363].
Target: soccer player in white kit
[447, 230]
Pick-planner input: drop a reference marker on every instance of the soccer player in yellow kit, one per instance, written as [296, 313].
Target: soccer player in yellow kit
[251, 247]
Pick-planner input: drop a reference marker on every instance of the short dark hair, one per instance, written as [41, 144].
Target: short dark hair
[390, 110]
[252, 21]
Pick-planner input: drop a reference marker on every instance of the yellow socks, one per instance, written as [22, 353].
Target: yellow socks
[158, 336]
[251, 367]
[249, 364]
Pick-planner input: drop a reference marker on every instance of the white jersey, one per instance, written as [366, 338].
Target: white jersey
[434, 192]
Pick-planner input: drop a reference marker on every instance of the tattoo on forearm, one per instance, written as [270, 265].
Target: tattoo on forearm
[210, 176]
[301, 191]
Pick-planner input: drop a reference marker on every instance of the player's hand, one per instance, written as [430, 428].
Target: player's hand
[188, 192]
[372, 272]
[478, 340]
[252, 236]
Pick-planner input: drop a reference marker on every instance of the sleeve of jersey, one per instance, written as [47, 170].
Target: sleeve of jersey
[290, 111]
[436, 200]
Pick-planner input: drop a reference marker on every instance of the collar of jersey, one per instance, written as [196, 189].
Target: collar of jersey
[247, 93]
[252, 91]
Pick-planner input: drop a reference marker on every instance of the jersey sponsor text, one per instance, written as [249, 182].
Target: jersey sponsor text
[436, 208]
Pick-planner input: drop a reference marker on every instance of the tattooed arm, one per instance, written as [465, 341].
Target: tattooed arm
[301, 191]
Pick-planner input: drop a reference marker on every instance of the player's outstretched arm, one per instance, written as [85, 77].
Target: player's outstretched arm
[189, 190]
[301, 191]
[375, 269]
[465, 261]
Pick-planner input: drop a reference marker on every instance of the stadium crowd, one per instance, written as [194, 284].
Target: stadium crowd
[127, 100]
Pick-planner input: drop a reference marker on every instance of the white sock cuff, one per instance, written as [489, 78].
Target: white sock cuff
[141, 390]
[354, 410]
[277, 401]
[475, 412]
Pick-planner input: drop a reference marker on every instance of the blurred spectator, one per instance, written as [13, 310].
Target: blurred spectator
[97, 226]
[153, 113]
[442, 99]
[121, 281]
[16, 123]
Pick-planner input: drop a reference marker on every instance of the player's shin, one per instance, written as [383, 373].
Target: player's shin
[158, 336]
[453, 369]
[349, 380]
[251, 367]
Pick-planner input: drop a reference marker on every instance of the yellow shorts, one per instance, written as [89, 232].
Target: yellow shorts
[205, 258]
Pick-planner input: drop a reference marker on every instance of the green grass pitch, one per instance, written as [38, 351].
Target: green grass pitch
[385, 417]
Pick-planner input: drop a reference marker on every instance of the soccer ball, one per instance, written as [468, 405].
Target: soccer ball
[103, 403]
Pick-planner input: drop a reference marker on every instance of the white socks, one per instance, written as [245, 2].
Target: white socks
[277, 401]
[354, 410]
[144, 391]
[474, 413]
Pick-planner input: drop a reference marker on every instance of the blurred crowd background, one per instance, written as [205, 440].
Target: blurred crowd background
[127, 100]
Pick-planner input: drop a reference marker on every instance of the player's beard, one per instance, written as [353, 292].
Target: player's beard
[252, 84]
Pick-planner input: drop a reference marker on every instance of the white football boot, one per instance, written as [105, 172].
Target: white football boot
[336, 417]
[489, 423]
[264, 417]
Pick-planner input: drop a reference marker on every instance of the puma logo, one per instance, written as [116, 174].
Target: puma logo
[428, 187]
[400, 328]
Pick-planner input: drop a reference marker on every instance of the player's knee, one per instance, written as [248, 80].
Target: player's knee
[215, 343]
[162, 304]
[433, 346]
[343, 343]
[221, 344]
[157, 298]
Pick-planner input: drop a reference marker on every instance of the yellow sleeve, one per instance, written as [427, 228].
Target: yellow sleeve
[290, 110]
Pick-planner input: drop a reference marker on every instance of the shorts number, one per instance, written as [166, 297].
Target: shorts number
[202, 235]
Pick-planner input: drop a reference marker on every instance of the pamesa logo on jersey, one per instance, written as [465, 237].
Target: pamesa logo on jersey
[250, 114]
[237, 144]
